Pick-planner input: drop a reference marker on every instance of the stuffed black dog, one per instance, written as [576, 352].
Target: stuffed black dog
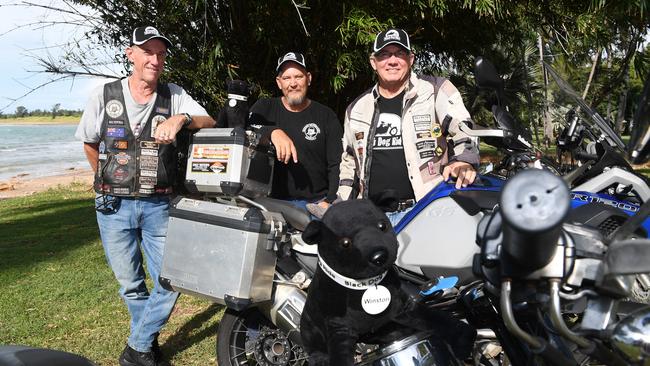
[235, 112]
[356, 294]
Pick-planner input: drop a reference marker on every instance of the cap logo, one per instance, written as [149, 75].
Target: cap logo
[391, 34]
[290, 56]
[151, 30]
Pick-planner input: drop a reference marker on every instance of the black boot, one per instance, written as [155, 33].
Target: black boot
[131, 357]
[155, 349]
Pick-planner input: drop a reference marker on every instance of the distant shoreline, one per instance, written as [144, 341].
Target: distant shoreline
[25, 184]
[45, 120]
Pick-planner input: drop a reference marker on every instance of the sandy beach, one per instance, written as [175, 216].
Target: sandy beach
[25, 185]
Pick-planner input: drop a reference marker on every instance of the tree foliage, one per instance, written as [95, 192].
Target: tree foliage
[219, 39]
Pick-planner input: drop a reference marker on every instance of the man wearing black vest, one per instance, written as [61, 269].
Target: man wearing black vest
[129, 128]
[306, 135]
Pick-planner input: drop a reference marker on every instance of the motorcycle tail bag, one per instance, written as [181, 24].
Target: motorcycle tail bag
[221, 252]
[222, 160]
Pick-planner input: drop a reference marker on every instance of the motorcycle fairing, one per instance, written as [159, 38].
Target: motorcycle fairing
[580, 198]
[437, 237]
[445, 189]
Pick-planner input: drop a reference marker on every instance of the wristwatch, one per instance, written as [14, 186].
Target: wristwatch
[188, 120]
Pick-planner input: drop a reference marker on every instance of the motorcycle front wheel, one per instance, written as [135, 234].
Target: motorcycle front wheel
[248, 338]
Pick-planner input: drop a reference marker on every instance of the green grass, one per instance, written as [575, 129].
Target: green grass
[58, 292]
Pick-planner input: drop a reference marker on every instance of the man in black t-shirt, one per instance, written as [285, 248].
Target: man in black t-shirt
[306, 135]
[402, 137]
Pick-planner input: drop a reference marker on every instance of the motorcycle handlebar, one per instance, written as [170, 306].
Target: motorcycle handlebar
[583, 156]
[534, 203]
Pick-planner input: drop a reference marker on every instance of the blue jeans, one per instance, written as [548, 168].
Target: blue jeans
[139, 226]
[396, 216]
[300, 203]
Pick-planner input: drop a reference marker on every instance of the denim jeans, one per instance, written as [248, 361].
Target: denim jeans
[300, 203]
[396, 216]
[137, 226]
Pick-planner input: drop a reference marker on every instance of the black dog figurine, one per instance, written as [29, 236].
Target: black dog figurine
[356, 294]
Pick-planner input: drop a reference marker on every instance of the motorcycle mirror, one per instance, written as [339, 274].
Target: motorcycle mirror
[486, 74]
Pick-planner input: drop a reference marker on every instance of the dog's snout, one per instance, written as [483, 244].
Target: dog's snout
[379, 257]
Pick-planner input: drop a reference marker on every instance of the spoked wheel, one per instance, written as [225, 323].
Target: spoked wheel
[248, 338]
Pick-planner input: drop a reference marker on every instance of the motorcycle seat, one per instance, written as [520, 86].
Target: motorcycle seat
[297, 217]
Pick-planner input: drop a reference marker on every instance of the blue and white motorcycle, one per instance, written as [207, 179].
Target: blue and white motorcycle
[438, 254]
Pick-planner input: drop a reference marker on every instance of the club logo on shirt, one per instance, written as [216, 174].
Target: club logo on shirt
[114, 108]
[311, 131]
[388, 134]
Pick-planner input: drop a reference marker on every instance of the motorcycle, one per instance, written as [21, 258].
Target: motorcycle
[558, 287]
[561, 287]
[440, 275]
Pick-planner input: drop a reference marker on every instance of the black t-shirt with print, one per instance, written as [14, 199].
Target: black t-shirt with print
[316, 133]
[388, 165]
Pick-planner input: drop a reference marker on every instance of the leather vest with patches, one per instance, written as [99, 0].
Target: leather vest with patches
[131, 166]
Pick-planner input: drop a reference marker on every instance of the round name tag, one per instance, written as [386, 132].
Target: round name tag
[232, 102]
[375, 299]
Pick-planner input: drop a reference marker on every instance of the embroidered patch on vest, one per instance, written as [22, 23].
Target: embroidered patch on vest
[422, 122]
[149, 162]
[148, 145]
[118, 190]
[155, 121]
[114, 108]
[115, 132]
[122, 158]
[436, 130]
[120, 144]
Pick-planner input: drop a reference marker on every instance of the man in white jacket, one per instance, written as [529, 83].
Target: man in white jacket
[402, 135]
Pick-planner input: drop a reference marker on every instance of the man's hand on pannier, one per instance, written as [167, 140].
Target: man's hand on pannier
[462, 171]
[285, 151]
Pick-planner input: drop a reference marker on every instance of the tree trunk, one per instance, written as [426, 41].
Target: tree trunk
[532, 120]
[592, 72]
[548, 124]
[622, 103]
[609, 97]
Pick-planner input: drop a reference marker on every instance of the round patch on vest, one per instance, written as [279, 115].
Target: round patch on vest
[122, 158]
[375, 299]
[114, 108]
[436, 130]
[311, 131]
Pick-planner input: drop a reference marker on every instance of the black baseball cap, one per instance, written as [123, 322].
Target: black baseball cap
[391, 36]
[291, 57]
[143, 34]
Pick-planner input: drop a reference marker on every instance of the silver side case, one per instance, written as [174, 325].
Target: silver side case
[221, 252]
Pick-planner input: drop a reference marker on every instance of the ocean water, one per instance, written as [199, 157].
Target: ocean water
[39, 150]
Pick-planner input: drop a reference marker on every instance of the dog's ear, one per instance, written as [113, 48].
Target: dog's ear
[387, 200]
[314, 231]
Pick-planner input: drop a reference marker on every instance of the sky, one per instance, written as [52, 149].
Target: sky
[18, 71]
